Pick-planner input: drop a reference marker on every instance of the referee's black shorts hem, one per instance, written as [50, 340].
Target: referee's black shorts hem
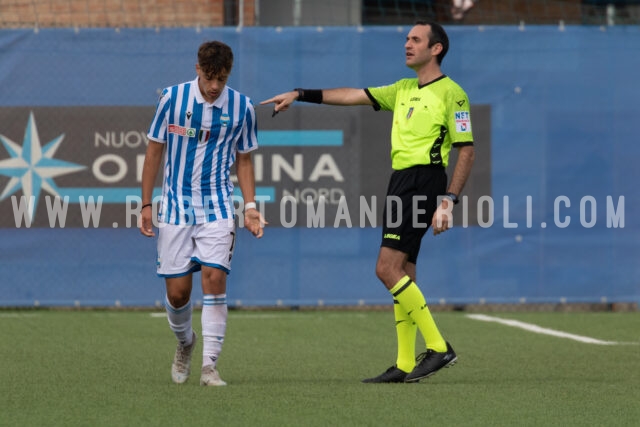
[412, 199]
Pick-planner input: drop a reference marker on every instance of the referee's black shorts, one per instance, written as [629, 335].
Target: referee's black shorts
[407, 212]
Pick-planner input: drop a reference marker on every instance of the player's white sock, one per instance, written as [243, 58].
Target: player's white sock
[214, 325]
[180, 321]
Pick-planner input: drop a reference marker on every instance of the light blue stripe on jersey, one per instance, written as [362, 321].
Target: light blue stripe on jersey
[236, 136]
[218, 165]
[207, 166]
[188, 162]
[175, 207]
[249, 142]
[221, 173]
[191, 146]
[173, 150]
[157, 127]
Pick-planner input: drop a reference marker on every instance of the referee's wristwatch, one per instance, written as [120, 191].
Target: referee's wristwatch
[453, 197]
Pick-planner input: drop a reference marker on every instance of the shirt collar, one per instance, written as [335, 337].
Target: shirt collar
[218, 103]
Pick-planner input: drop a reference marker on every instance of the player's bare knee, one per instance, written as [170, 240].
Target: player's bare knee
[177, 297]
[214, 280]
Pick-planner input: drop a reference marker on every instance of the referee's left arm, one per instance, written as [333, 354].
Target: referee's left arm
[462, 170]
[442, 219]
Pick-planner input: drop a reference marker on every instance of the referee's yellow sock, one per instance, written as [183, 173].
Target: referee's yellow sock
[407, 293]
[406, 332]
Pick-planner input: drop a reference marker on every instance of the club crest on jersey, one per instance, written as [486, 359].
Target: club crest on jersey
[225, 120]
[409, 113]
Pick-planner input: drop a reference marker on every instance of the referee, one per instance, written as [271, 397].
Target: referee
[430, 116]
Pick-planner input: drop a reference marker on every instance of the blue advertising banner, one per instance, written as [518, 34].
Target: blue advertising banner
[550, 213]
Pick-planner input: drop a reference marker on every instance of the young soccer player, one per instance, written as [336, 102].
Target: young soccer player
[430, 115]
[199, 130]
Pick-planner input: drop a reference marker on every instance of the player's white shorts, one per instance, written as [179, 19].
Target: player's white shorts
[185, 249]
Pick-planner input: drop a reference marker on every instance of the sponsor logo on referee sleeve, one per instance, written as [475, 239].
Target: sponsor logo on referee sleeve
[463, 121]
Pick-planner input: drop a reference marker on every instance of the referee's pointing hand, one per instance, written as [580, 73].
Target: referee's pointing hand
[282, 101]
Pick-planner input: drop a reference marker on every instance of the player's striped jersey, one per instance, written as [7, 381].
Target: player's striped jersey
[201, 144]
[427, 120]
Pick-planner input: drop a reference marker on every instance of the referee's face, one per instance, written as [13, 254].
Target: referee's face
[417, 50]
[211, 86]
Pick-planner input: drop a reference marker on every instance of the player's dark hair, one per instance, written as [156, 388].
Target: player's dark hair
[215, 58]
[438, 35]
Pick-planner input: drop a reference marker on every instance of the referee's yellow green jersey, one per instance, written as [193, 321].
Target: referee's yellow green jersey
[427, 120]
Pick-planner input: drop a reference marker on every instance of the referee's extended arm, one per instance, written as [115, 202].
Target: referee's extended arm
[337, 96]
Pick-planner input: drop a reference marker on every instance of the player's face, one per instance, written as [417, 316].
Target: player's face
[417, 50]
[211, 85]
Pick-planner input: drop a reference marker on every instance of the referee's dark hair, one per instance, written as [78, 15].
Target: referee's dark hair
[438, 35]
[215, 58]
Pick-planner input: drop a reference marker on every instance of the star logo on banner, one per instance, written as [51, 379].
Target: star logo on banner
[32, 166]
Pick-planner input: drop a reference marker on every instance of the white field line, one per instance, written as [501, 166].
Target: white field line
[243, 316]
[266, 315]
[18, 315]
[546, 331]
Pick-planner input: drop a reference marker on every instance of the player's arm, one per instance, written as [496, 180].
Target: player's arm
[337, 96]
[253, 219]
[442, 219]
[150, 168]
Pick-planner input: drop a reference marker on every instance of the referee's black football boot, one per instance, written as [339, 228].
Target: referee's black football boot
[391, 375]
[431, 362]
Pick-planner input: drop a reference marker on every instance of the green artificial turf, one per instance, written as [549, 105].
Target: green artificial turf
[304, 368]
